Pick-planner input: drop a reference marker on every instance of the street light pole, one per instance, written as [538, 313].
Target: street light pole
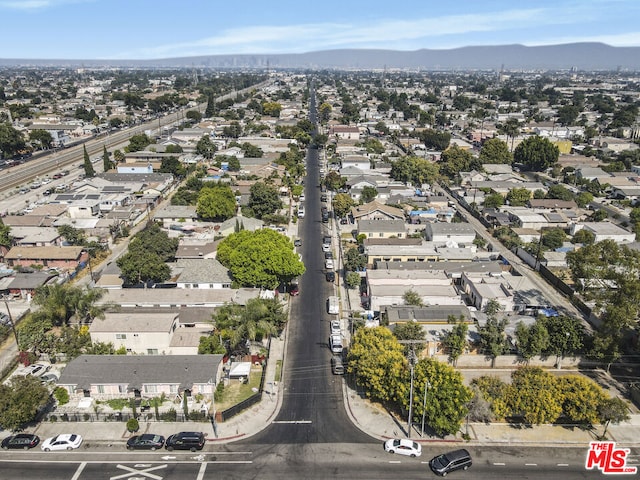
[427, 386]
[412, 364]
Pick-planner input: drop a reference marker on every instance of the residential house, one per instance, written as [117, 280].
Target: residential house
[35, 236]
[442, 233]
[63, 258]
[147, 332]
[196, 250]
[344, 132]
[170, 214]
[605, 231]
[24, 285]
[375, 210]
[204, 274]
[104, 377]
[395, 228]
[382, 295]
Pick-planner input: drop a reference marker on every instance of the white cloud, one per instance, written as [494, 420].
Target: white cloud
[32, 5]
[449, 30]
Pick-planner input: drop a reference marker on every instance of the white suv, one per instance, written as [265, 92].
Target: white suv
[335, 343]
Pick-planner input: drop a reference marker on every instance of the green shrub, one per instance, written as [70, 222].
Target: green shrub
[169, 416]
[61, 395]
[133, 425]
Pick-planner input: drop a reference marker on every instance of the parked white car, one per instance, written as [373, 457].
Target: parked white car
[64, 441]
[35, 369]
[403, 446]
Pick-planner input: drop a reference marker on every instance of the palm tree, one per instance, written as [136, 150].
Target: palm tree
[511, 128]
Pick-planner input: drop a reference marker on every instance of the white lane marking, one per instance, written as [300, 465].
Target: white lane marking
[291, 421]
[530, 464]
[563, 464]
[501, 464]
[203, 468]
[76, 475]
[231, 462]
[133, 471]
[394, 461]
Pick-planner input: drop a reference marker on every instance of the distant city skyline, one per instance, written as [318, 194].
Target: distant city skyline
[153, 29]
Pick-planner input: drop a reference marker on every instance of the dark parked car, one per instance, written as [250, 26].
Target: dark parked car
[294, 289]
[330, 276]
[23, 441]
[146, 441]
[186, 441]
[450, 462]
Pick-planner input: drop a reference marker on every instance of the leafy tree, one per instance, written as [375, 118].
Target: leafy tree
[342, 204]
[211, 345]
[518, 197]
[334, 181]
[494, 391]
[143, 267]
[353, 280]
[559, 192]
[411, 331]
[217, 203]
[263, 258]
[194, 115]
[495, 150]
[118, 156]
[584, 236]
[599, 215]
[435, 139]
[354, 260]
[567, 114]
[173, 166]
[89, 172]
[72, 235]
[271, 109]
[494, 200]
[20, 401]
[378, 362]
[154, 239]
[41, 138]
[106, 160]
[411, 297]
[61, 395]
[32, 332]
[206, 147]
[234, 164]
[251, 151]
[211, 108]
[11, 140]
[583, 199]
[414, 171]
[492, 337]
[581, 394]
[137, 143]
[479, 408]
[553, 238]
[455, 160]
[455, 341]
[233, 130]
[612, 410]
[536, 154]
[325, 112]
[531, 340]
[535, 395]
[566, 335]
[5, 235]
[264, 199]
[447, 396]
[368, 194]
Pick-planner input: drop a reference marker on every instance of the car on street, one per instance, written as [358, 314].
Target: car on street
[185, 441]
[36, 369]
[328, 264]
[326, 247]
[450, 462]
[23, 441]
[64, 441]
[328, 255]
[403, 446]
[146, 441]
[49, 378]
[294, 290]
[335, 327]
[297, 242]
[330, 276]
[326, 240]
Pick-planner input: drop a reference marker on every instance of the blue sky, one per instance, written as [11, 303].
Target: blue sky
[148, 29]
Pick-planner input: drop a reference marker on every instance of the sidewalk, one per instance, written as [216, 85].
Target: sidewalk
[372, 419]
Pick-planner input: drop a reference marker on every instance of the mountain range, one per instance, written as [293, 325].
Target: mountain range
[578, 56]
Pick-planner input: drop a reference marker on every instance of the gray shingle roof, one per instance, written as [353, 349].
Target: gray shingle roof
[136, 370]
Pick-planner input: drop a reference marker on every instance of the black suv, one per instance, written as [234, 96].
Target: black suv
[449, 462]
[186, 441]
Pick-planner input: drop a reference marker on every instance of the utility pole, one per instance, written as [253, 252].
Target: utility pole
[13, 325]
